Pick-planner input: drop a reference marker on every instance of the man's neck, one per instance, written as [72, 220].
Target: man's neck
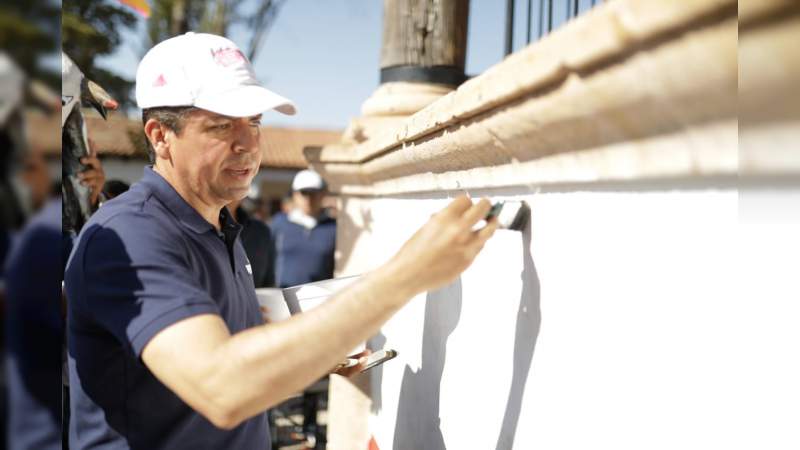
[207, 210]
[310, 212]
[299, 217]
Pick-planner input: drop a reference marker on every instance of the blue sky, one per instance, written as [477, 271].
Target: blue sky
[325, 54]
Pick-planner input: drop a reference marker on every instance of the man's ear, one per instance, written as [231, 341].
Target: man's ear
[156, 133]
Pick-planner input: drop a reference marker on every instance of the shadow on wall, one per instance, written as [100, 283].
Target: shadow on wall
[347, 233]
[418, 424]
[529, 319]
[376, 376]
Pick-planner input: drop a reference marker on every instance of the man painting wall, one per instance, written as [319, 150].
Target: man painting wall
[167, 346]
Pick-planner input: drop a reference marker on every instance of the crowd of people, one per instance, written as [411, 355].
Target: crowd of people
[32, 236]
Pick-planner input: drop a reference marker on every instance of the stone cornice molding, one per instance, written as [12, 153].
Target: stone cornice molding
[602, 98]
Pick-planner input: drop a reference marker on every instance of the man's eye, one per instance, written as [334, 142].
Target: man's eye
[221, 126]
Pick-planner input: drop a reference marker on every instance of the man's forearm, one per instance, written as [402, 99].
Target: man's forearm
[260, 367]
[230, 378]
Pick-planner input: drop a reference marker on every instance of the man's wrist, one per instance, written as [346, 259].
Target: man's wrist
[393, 279]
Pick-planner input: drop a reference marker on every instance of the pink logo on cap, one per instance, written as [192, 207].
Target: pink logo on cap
[228, 56]
[160, 81]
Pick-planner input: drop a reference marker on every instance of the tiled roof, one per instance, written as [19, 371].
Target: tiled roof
[283, 147]
[117, 135]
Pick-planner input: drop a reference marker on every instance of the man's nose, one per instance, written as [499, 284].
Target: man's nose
[246, 137]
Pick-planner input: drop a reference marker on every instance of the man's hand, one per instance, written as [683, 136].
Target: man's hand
[351, 371]
[444, 247]
[264, 313]
[93, 177]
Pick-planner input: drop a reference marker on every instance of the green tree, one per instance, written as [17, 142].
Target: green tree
[29, 30]
[173, 17]
[91, 29]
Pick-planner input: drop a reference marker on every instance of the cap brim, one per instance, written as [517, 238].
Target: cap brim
[246, 101]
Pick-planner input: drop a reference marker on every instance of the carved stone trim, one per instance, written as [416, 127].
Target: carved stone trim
[632, 89]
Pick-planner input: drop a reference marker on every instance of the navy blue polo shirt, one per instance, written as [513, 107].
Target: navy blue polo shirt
[143, 262]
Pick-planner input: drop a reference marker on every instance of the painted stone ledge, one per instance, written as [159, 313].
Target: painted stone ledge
[769, 96]
[604, 98]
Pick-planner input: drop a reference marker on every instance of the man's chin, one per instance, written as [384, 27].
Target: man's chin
[232, 194]
[238, 194]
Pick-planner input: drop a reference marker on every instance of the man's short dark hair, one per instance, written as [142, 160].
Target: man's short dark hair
[171, 117]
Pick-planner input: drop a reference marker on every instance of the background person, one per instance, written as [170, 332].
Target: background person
[305, 243]
[34, 325]
[256, 239]
[114, 188]
[305, 238]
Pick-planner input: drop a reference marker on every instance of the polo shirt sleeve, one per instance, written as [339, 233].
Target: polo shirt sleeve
[138, 280]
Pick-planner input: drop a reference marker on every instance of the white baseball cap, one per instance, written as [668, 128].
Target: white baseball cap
[205, 71]
[307, 180]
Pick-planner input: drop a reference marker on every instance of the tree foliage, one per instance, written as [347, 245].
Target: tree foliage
[91, 29]
[29, 30]
[173, 17]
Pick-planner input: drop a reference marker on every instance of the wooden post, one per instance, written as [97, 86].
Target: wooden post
[424, 41]
[510, 25]
[180, 18]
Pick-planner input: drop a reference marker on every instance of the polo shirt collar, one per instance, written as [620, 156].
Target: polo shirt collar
[241, 216]
[183, 211]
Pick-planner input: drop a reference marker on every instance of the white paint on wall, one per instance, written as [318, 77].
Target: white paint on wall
[620, 319]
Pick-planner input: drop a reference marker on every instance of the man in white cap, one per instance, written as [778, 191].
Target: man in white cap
[167, 347]
[304, 239]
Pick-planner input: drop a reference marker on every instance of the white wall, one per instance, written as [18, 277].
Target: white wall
[623, 318]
